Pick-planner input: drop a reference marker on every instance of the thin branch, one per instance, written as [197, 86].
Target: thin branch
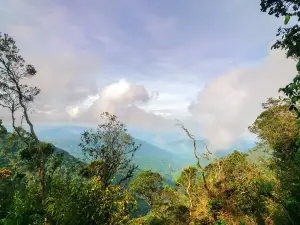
[192, 137]
[210, 154]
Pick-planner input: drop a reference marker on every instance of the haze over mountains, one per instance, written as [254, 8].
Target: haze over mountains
[153, 154]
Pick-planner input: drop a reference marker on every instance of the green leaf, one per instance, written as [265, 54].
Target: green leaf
[294, 99]
[287, 19]
[298, 66]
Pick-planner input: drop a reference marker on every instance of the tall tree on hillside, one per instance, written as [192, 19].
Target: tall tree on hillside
[17, 96]
[147, 186]
[13, 71]
[277, 127]
[289, 40]
[110, 149]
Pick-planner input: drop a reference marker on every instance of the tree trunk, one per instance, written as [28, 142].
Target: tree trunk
[27, 119]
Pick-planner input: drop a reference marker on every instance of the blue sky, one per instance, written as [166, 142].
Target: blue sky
[147, 39]
[149, 61]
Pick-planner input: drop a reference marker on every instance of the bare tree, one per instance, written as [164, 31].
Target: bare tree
[201, 168]
[206, 155]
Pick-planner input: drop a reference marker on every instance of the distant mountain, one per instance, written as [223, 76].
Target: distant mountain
[184, 149]
[67, 159]
[60, 132]
[148, 156]
[175, 154]
[151, 157]
[67, 138]
[186, 146]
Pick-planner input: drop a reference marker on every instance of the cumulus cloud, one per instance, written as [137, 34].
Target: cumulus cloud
[124, 99]
[78, 48]
[118, 96]
[231, 102]
[67, 74]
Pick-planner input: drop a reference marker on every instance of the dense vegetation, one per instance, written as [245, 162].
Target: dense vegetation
[40, 184]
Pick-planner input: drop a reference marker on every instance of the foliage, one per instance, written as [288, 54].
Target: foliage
[13, 70]
[292, 91]
[16, 96]
[6, 191]
[111, 150]
[188, 175]
[80, 201]
[172, 207]
[147, 186]
[284, 138]
[277, 126]
[26, 207]
[279, 129]
[289, 41]
[40, 184]
[290, 36]
[70, 198]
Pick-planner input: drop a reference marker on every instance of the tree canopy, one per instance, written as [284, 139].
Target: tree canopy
[41, 184]
[111, 149]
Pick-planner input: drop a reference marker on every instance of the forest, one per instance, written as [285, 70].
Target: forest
[42, 184]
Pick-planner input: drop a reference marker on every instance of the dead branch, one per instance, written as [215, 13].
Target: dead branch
[210, 154]
[192, 137]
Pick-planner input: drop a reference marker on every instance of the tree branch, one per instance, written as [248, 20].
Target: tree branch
[192, 137]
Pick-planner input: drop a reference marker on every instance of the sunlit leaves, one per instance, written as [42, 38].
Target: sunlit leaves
[287, 19]
[81, 201]
[278, 128]
[148, 186]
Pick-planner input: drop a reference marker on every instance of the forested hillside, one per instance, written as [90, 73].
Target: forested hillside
[116, 179]
[176, 154]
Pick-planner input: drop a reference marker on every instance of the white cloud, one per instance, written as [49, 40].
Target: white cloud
[125, 100]
[231, 102]
[118, 96]
[78, 48]
[67, 74]
[174, 96]
[72, 111]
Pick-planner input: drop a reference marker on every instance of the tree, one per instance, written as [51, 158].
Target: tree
[110, 149]
[15, 96]
[200, 167]
[289, 40]
[148, 186]
[6, 191]
[168, 204]
[75, 200]
[13, 70]
[290, 37]
[292, 91]
[173, 206]
[188, 180]
[278, 128]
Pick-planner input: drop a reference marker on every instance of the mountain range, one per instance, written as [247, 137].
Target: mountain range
[175, 154]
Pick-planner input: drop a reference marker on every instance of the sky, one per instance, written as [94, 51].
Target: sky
[150, 62]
